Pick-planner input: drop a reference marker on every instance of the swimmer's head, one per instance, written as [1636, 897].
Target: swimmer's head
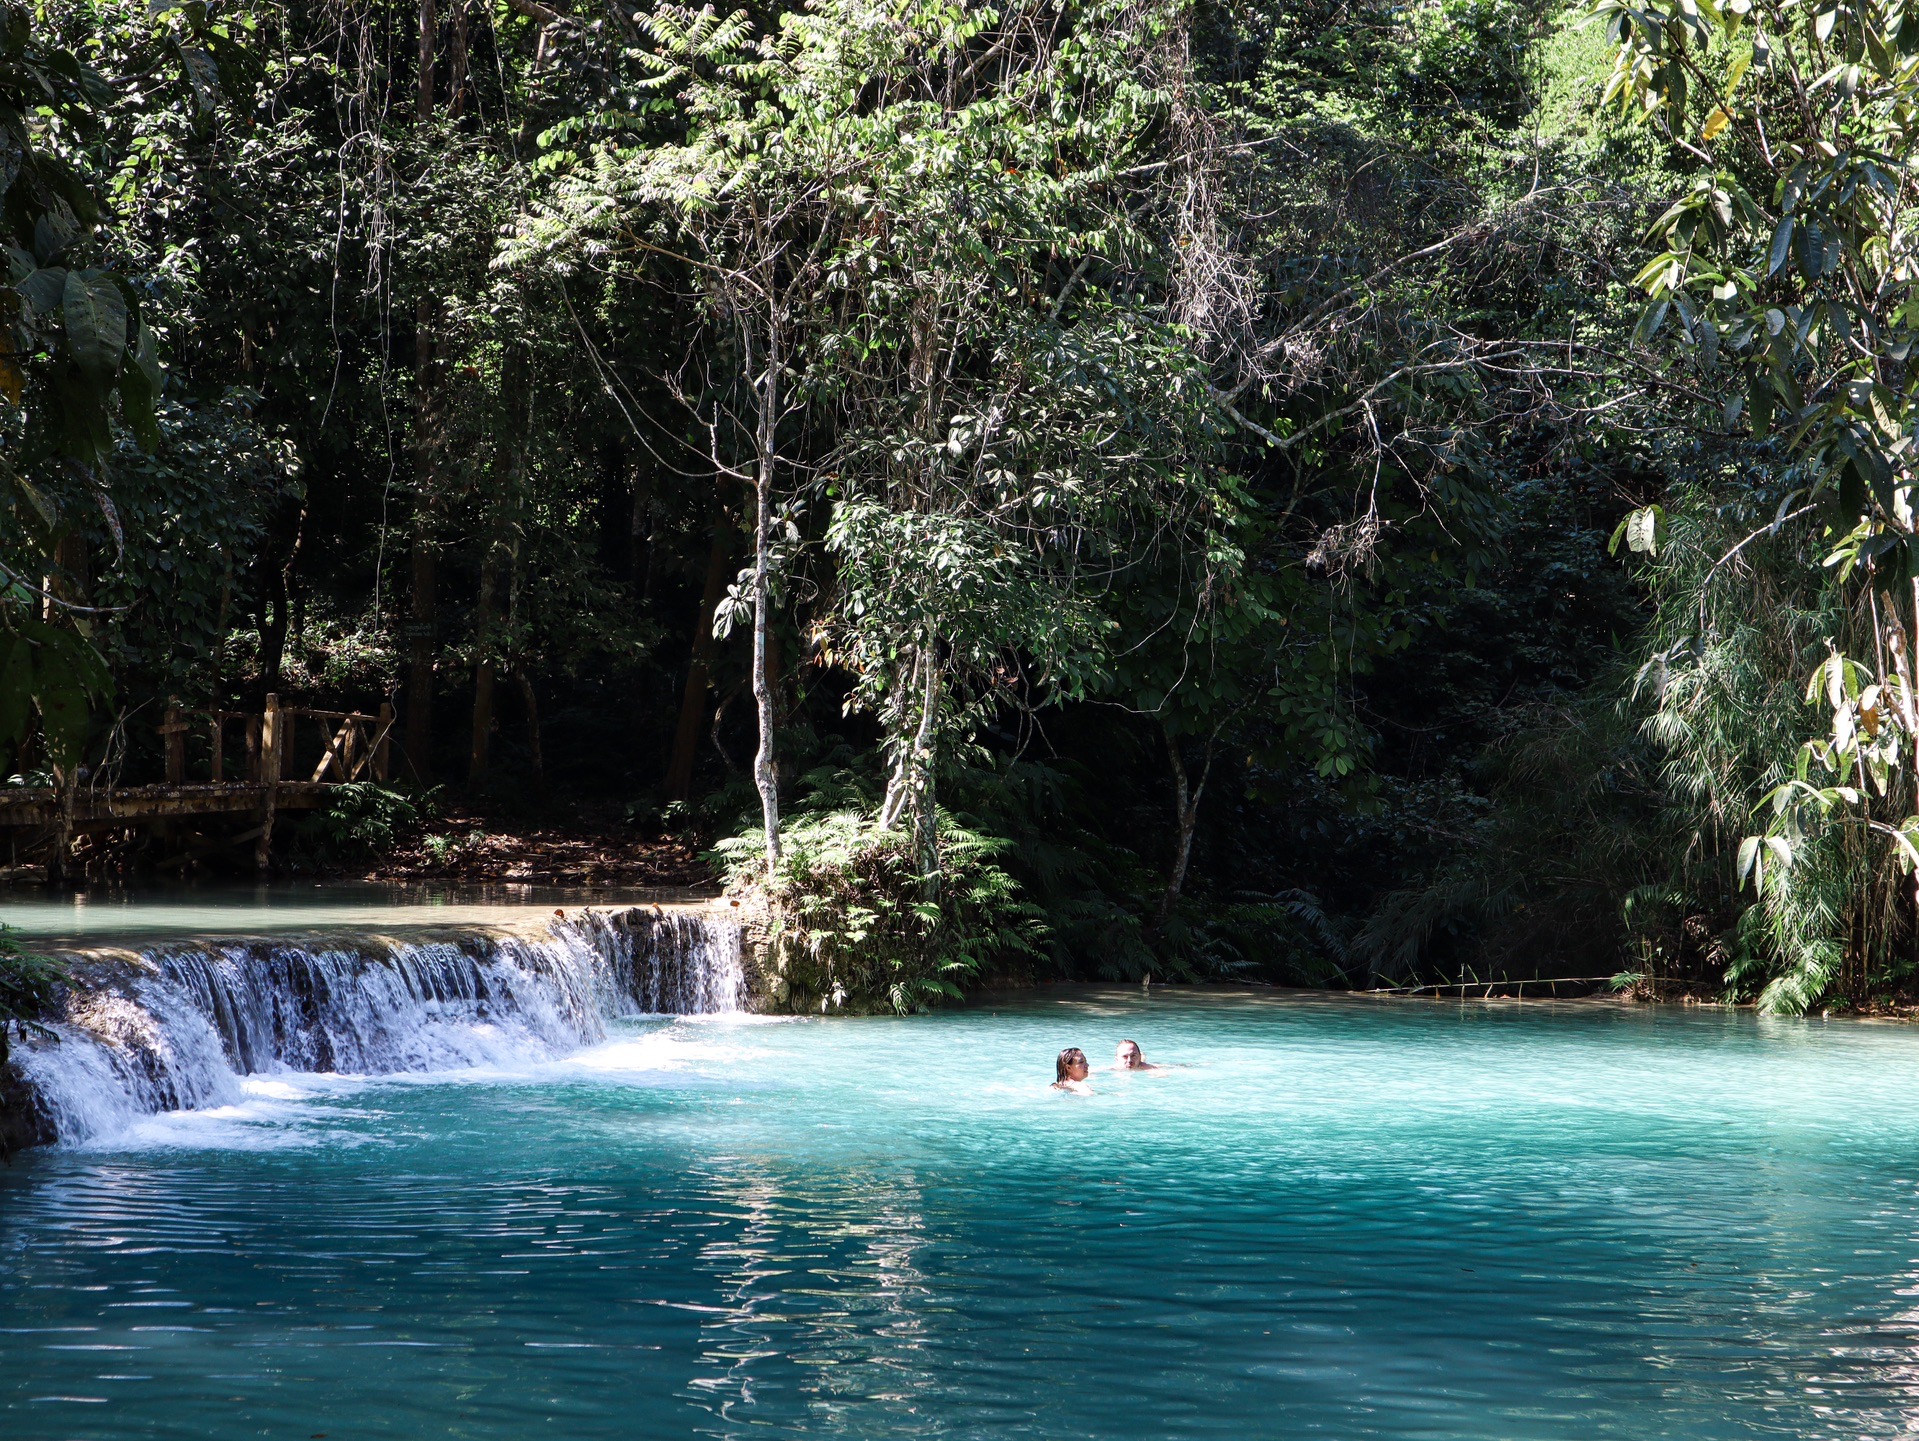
[1131, 1058]
[1072, 1065]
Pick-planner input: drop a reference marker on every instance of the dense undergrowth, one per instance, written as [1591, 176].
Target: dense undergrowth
[1125, 496]
[29, 989]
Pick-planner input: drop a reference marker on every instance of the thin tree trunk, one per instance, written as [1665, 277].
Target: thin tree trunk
[456, 78]
[67, 778]
[925, 745]
[503, 521]
[420, 638]
[1186, 798]
[686, 738]
[899, 785]
[639, 552]
[530, 699]
[912, 782]
[1912, 734]
[765, 774]
[429, 33]
[420, 647]
[484, 670]
[70, 581]
[273, 632]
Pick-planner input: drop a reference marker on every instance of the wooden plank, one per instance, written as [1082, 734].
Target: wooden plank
[382, 761]
[334, 753]
[134, 805]
[329, 715]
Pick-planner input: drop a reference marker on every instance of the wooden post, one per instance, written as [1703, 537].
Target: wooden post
[219, 747]
[174, 729]
[66, 778]
[271, 736]
[382, 760]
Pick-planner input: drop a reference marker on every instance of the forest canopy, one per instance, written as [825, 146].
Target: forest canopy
[1344, 494]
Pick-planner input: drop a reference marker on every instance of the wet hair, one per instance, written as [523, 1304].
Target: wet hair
[1068, 1058]
[1136, 1050]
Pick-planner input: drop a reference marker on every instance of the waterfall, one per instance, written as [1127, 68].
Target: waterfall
[178, 1026]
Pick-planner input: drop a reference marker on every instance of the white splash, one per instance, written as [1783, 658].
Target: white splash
[180, 1032]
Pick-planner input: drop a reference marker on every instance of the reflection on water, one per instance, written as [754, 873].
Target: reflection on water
[1342, 1219]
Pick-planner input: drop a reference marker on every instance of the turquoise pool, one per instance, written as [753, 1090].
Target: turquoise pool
[1337, 1219]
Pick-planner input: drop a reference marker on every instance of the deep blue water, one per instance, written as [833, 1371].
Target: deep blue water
[1344, 1219]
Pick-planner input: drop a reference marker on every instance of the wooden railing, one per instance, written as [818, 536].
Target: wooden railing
[347, 746]
[352, 745]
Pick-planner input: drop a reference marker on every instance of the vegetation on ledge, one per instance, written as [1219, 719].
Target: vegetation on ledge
[1350, 494]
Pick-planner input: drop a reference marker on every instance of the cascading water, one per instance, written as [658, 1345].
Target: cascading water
[177, 1028]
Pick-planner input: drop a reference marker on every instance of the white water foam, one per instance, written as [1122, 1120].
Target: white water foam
[184, 1031]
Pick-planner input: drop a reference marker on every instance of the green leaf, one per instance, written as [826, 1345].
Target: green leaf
[96, 317]
[140, 384]
[63, 719]
[43, 288]
[1645, 529]
[16, 689]
[1760, 405]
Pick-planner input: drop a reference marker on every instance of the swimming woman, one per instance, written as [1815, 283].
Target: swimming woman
[1132, 1058]
[1072, 1071]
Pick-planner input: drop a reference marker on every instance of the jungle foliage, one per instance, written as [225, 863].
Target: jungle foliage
[1344, 494]
[29, 989]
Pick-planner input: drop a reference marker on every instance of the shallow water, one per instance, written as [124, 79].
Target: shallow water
[1342, 1219]
[103, 915]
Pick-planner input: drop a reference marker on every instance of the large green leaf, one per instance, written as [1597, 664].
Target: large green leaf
[16, 690]
[140, 389]
[68, 675]
[64, 718]
[43, 289]
[96, 316]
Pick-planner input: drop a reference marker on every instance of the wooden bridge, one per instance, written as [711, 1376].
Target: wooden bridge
[271, 770]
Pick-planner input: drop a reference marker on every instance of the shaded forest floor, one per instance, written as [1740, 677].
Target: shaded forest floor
[576, 846]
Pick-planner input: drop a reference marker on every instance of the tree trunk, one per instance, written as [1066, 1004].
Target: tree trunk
[1186, 798]
[429, 33]
[420, 634]
[765, 774]
[66, 778]
[531, 701]
[912, 784]
[501, 533]
[925, 746]
[905, 680]
[457, 63]
[273, 629]
[639, 542]
[484, 668]
[420, 647]
[686, 737]
[483, 674]
[69, 581]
